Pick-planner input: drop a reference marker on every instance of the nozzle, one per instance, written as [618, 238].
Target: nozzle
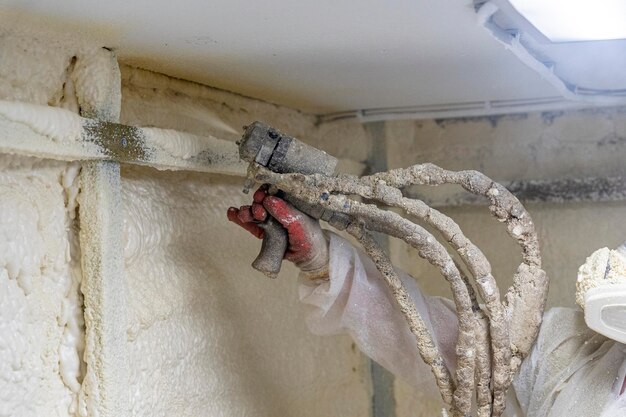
[282, 153]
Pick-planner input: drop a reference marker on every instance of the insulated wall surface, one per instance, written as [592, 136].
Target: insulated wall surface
[40, 316]
[207, 335]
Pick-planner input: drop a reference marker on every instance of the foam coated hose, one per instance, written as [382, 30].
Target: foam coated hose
[273, 248]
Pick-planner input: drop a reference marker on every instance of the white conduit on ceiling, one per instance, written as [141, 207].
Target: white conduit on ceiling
[572, 97]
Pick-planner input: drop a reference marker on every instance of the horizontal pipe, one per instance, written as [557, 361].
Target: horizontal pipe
[566, 190]
[54, 133]
[458, 110]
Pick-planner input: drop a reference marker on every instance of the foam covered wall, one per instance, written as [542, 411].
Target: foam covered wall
[208, 335]
[41, 327]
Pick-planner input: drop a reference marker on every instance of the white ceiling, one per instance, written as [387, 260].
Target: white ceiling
[319, 56]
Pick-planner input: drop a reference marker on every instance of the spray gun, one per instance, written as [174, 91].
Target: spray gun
[281, 153]
[514, 322]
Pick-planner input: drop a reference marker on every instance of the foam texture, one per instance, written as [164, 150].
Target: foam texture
[40, 305]
[207, 335]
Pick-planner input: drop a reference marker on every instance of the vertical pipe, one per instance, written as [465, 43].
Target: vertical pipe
[383, 398]
[105, 386]
[105, 390]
